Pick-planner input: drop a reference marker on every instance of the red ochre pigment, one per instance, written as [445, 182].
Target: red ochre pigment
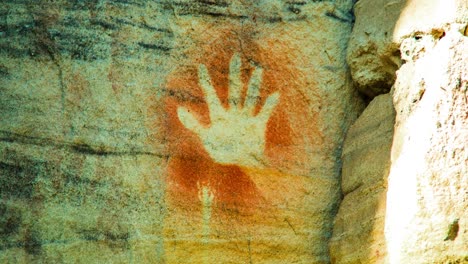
[190, 166]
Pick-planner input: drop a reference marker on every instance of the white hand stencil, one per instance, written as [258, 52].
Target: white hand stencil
[235, 136]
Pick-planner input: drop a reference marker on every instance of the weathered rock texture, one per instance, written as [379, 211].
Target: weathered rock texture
[426, 201]
[103, 104]
[427, 204]
[373, 56]
[358, 234]
[211, 131]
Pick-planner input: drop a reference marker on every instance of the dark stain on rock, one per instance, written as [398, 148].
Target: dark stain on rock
[23, 177]
[18, 177]
[43, 39]
[32, 242]
[104, 24]
[453, 229]
[4, 72]
[118, 21]
[116, 239]
[47, 31]
[126, 3]
[221, 10]
[199, 7]
[10, 220]
[342, 17]
[152, 46]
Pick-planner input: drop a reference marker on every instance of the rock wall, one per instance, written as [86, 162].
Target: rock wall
[428, 187]
[426, 168]
[212, 131]
[358, 232]
[172, 131]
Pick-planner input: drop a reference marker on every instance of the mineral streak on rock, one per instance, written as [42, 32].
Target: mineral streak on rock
[95, 158]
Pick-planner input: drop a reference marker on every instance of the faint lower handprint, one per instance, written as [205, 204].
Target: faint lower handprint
[235, 135]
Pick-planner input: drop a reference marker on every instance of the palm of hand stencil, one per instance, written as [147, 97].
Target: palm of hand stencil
[236, 135]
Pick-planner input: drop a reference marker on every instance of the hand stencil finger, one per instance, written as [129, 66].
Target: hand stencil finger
[269, 106]
[253, 91]
[235, 135]
[214, 105]
[235, 84]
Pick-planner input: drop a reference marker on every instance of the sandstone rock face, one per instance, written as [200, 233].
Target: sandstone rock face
[172, 131]
[372, 54]
[426, 203]
[380, 28]
[428, 187]
[358, 234]
[211, 131]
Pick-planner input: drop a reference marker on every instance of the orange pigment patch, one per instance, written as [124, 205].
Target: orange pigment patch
[190, 166]
[78, 87]
[114, 78]
[230, 186]
[293, 128]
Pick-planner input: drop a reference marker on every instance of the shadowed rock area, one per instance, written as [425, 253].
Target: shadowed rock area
[212, 131]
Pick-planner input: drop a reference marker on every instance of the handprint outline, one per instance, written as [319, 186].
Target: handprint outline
[236, 135]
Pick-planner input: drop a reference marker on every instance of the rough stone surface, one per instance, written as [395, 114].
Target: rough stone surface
[249, 213]
[104, 152]
[425, 215]
[358, 235]
[211, 131]
[428, 187]
[380, 28]
[372, 55]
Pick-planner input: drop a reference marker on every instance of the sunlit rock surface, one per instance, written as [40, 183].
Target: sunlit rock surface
[381, 25]
[428, 185]
[131, 132]
[426, 201]
[97, 166]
